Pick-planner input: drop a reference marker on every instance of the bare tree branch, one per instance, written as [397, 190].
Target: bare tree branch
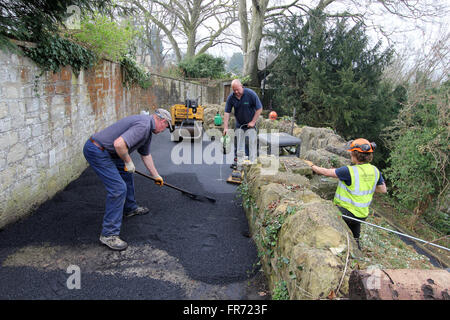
[365, 11]
[191, 17]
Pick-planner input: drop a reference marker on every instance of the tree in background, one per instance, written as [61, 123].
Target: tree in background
[156, 46]
[418, 138]
[261, 14]
[419, 158]
[256, 18]
[236, 63]
[203, 66]
[152, 42]
[185, 19]
[150, 45]
[332, 76]
[106, 37]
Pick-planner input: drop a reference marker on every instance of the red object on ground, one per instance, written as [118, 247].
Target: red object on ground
[273, 115]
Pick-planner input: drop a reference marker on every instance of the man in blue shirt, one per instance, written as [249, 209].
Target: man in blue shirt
[108, 153]
[247, 108]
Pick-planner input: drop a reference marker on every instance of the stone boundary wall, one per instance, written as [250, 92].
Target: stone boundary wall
[304, 246]
[46, 119]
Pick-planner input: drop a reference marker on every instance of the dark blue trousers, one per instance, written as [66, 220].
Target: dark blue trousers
[119, 186]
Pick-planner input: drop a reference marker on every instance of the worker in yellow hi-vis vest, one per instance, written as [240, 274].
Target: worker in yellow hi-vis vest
[357, 184]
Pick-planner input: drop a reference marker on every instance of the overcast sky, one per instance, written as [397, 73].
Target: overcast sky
[403, 33]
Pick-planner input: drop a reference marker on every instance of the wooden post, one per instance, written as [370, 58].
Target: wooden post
[292, 122]
[400, 284]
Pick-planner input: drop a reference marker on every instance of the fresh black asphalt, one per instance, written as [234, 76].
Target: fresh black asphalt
[205, 239]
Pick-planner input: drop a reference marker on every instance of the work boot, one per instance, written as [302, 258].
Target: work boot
[357, 242]
[139, 211]
[113, 242]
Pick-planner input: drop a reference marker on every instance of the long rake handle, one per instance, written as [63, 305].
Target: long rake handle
[192, 195]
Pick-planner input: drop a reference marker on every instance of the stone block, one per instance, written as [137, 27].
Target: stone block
[4, 109]
[5, 124]
[324, 158]
[2, 161]
[52, 157]
[66, 74]
[15, 59]
[270, 193]
[32, 104]
[43, 116]
[11, 91]
[324, 186]
[57, 112]
[27, 91]
[16, 153]
[318, 272]
[8, 139]
[315, 225]
[36, 130]
[37, 145]
[42, 160]
[7, 178]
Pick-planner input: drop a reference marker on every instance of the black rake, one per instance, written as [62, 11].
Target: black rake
[189, 194]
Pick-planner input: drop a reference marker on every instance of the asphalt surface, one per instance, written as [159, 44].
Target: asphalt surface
[182, 249]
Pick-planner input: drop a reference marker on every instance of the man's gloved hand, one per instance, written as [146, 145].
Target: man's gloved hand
[159, 181]
[309, 163]
[129, 167]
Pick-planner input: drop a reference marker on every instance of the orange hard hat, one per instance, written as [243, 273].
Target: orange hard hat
[362, 145]
[273, 115]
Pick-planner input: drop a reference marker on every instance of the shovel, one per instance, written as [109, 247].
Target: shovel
[190, 194]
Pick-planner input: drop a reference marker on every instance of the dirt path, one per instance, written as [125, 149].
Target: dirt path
[183, 249]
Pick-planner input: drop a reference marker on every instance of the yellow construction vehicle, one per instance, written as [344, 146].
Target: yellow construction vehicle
[187, 120]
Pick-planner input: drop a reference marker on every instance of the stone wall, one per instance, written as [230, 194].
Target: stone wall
[168, 91]
[305, 248]
[46, 119]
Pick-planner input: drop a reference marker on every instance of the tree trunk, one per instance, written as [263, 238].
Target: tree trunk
[399, 284]
[190, 52]
[253, 40]
[243, 20]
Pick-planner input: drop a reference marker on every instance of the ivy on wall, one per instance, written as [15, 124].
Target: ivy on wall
[53, 52]
[134, 74]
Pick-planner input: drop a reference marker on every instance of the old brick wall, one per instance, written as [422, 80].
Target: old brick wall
[46, 119]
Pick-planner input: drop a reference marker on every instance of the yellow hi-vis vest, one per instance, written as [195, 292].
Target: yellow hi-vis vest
[357, 197]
